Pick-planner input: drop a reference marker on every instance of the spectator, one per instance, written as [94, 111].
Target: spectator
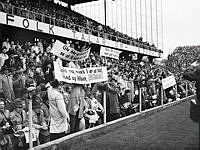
[6, 44]
[18, 118]
[3, 57]
[5, 125]
[59, 124]
[6, 84]
[76, 107]
[113, 109]
[39, 122]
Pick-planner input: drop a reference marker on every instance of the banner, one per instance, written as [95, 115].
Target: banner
[67, 53]
[109, 52]
[168, 82]
[80, 76]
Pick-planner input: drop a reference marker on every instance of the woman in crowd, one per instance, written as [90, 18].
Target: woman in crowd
[76, 107]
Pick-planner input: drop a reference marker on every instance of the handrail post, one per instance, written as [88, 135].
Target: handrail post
[104, 105]
[140, 99]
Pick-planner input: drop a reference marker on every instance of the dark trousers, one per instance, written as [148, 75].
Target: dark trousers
[74, 123]
[54, 136]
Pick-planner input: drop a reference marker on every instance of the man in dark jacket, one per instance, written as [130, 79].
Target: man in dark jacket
[193, 74]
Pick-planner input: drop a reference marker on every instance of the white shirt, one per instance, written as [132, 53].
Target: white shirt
[36, 49]
[3, 58]
[58, 113]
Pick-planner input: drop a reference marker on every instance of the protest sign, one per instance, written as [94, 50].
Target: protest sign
[67, 53]
[80, 76]
[109, 52]
[168, 82]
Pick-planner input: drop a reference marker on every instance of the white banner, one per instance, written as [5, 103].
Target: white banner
[80, 76]
[109, 52]
[33, 25]
[168, 82]
[67, 53]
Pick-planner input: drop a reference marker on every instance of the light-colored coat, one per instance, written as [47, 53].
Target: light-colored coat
[58, 114]
[6, 86]
[77, 101]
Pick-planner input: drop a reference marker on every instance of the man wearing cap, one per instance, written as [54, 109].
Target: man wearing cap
[59, 122]
[18, 118]
[18, 115]
[39, 122]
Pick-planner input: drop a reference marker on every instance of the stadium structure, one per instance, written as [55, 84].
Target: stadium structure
[131, 26]
[34, 23]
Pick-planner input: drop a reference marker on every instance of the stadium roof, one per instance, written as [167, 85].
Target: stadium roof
[74, 2]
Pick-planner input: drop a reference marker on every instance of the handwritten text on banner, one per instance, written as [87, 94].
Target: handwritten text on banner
[109, 52]
[67, 53]
[80, 76]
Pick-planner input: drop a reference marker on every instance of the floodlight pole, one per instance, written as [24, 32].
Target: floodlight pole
[105, 13]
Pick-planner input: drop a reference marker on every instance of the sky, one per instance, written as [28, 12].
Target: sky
[181, 21]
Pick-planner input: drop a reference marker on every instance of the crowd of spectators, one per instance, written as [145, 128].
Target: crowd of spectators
[27, 72]
[59, 108]
[56, 14]
[182, 58]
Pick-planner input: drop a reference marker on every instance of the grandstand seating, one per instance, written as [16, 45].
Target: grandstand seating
[55, 14]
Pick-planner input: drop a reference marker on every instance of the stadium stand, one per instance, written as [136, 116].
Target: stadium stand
[27, 72]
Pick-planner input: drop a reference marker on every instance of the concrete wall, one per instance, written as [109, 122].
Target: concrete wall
[80, 137]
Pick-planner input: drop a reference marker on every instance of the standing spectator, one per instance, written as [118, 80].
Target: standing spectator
[76, 107]
[6, 44]
[193, 74]
[18, 118]
[19, 83]
[125, 103]
[48, 71]
[59, 124]
[6, 84]
[40, 123]
[3, 57]
[4, 127]
[112, 99]
[35, 48]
